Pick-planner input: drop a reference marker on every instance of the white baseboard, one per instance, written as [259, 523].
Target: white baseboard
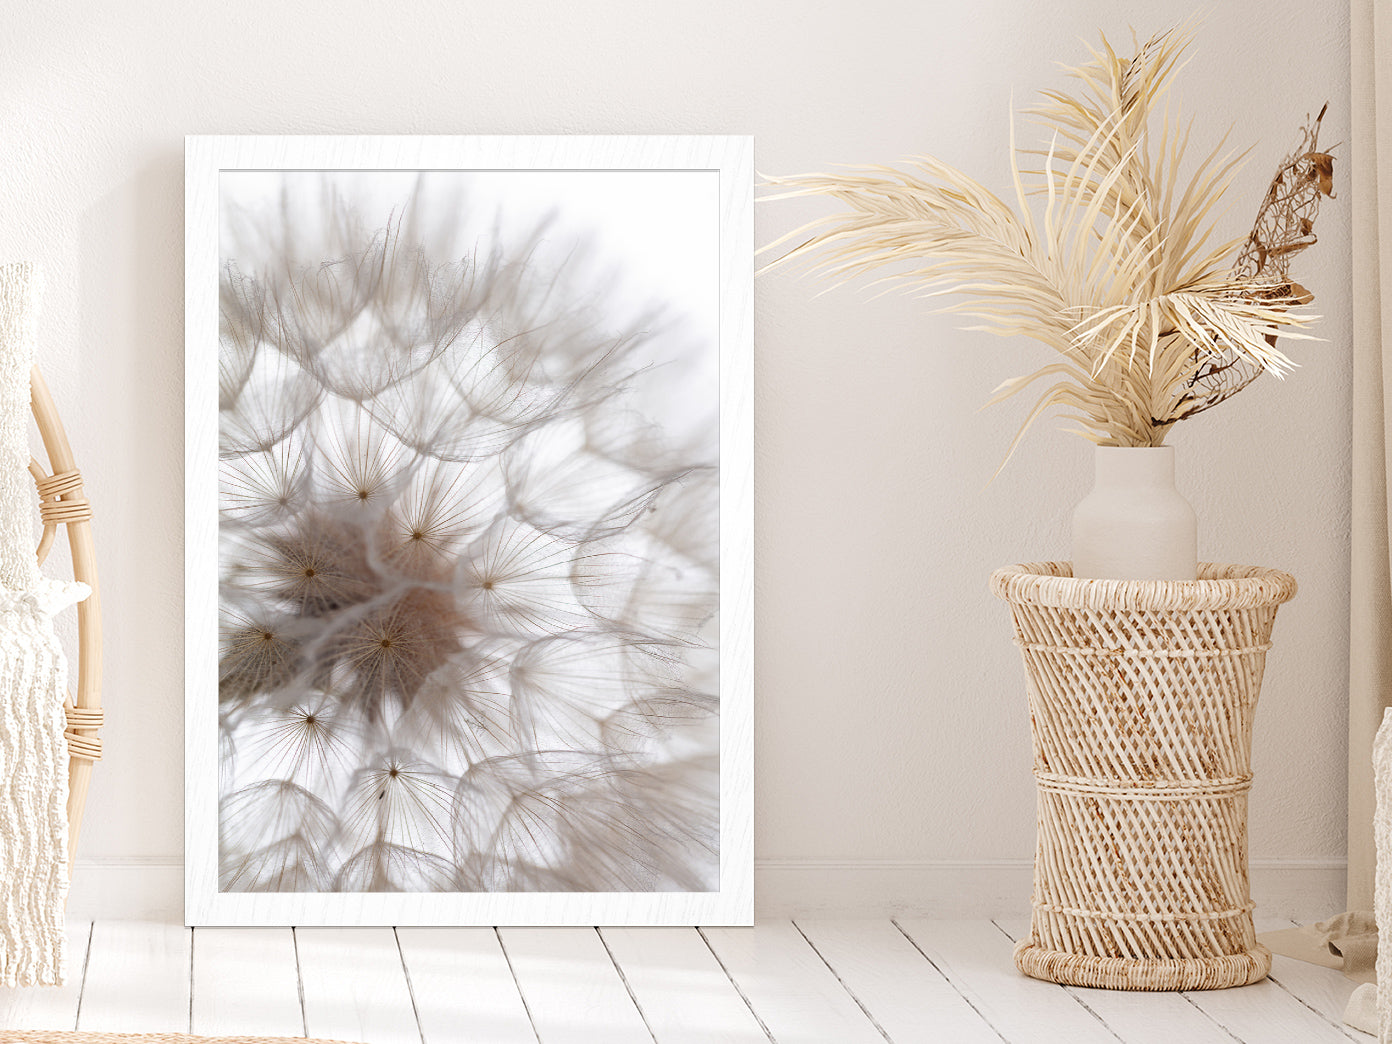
[797, 888]
[1297, 889]
[1304, 890]
[127, 890]
[147, 889]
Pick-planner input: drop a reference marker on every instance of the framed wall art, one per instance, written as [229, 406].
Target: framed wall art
[469, 530]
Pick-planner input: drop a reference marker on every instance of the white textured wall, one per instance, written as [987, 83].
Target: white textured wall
[891, 724]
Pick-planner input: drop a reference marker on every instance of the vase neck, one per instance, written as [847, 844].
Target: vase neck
[1135, 466]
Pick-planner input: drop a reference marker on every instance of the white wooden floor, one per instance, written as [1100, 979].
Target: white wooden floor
[824, 981]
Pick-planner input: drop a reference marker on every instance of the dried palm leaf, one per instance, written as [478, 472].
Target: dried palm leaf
[1119, 274]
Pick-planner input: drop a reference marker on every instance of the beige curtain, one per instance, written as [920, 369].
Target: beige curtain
[1370, 659]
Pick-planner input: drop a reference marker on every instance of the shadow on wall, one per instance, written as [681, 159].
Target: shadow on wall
[124, 413]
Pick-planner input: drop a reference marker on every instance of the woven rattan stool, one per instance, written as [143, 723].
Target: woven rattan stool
[1141, 696]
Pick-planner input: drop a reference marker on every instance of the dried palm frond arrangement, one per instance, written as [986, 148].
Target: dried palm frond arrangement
[1121, 274]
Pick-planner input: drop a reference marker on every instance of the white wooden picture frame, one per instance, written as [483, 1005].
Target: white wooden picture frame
[469, 530]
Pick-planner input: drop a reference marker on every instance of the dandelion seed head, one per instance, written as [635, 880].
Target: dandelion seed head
[465, 582]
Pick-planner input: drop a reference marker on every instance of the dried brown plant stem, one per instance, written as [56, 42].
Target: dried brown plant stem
[1285, 226]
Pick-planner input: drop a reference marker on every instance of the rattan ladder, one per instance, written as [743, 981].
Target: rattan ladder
[63, 502]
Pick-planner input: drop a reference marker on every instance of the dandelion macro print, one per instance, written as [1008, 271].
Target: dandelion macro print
[468, 531]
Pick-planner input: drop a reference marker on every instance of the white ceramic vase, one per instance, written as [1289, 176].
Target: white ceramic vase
[1134, 525]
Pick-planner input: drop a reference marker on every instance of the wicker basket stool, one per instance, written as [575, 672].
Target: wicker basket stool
[1141, 696]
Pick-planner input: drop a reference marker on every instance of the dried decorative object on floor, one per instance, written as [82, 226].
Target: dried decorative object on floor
[470, 456]
[1153, 320]
[1141, 697]
[34, 755]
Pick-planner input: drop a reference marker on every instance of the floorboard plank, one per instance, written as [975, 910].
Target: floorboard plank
[682, 991]
[463, 987]
[909, 999]
[355, 986]
[246, 982]
[1140, 1017]
[789, 987]
[137, 978]
[977, 958]
[1266, 1014]
[1323, 989]
[818, 980]
[50, 1007]
[573, 991]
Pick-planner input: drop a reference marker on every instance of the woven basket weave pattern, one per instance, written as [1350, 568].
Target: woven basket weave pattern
[1141, 697]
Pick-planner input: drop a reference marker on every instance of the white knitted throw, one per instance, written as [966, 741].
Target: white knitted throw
[33, 681]
[1382, 884]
